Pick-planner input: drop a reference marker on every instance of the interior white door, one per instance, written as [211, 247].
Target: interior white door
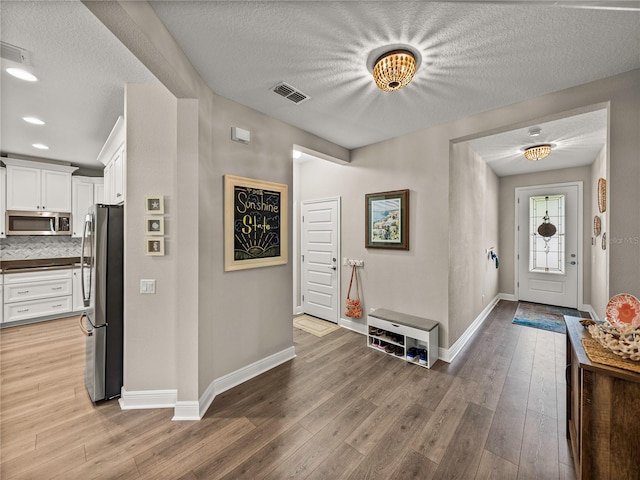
[320, 273]
[548, 270]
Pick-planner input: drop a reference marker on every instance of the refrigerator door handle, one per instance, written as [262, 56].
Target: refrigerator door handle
[82, 326]
[86, 296]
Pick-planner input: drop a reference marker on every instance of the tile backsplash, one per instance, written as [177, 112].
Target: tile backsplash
[28, 247]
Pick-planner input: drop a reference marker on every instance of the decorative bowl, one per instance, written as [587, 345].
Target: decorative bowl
[621, 339]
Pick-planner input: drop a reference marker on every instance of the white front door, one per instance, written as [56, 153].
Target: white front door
[320, 273]
[549, 266]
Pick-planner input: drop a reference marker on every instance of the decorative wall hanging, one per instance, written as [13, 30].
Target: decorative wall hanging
[255, 223]
[154, 225]
[154, 246]
[154, 204]
[602, 195]
[387, 220]
[596, 225]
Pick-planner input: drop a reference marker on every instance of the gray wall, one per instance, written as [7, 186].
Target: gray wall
[473, 207]
[245, 316]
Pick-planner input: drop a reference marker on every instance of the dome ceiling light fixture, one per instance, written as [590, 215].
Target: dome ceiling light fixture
[394, 70]
[537, 152]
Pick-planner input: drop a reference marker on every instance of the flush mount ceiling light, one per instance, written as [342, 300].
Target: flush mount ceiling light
[40, 146]
[537, 152]
[394, 70]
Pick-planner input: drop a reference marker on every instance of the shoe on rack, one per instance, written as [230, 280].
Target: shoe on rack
[390, 348]
[398, 351]
[382, 345]
[423, 357]
[375, 342]
[372, 330]
[411, 354]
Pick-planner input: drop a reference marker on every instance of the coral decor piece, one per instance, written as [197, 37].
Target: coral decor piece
[621, 339]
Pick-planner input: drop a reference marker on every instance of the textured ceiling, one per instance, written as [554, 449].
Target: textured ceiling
[475, 57]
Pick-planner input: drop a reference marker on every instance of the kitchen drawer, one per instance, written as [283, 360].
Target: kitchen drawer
[19, 292]
[37, 276]
[36, 308]
[399, 329]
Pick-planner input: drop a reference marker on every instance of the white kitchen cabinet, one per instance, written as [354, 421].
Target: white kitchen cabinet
[1, 297]
[98, 192]
[38, 186]
[34, 294]
[3, 199]
[113, 157]
[83, 196]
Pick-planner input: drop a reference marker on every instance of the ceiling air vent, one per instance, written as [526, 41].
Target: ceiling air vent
[14, 54]
[290, 93]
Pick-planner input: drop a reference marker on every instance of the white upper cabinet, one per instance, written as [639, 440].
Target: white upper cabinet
[35, 186]
[83, 196]
[3, 197]
[112, 156]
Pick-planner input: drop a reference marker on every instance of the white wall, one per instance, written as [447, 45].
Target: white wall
[598, 257]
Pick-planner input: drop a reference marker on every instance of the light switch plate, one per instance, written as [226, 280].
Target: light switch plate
[147, 286]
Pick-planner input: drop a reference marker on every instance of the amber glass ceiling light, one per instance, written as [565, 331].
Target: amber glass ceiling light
[537, 152]
[394, 70]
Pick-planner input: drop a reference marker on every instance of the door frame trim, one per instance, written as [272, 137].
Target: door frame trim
[338, 200]
[580, 235]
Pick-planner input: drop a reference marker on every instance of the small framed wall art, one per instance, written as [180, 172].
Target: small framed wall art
[154, 204]
[255, 223]
[154, 225]
[387, 220]
[154, 246]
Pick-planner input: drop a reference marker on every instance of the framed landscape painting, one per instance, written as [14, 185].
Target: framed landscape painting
[255, 223]
[387, 220]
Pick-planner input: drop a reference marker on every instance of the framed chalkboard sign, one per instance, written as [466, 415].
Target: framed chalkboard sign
[255, 223]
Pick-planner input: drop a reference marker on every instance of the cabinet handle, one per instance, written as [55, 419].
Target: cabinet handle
[56, 288]
[118, 194]
[22, 292]
[56, 306]
[395, 325]
[23, 310]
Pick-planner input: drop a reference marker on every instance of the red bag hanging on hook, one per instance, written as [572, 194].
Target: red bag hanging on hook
[353, 308]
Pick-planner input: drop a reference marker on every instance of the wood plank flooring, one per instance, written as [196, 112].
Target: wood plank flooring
[339, 410]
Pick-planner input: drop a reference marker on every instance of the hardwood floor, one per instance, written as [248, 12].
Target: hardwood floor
[339, 410]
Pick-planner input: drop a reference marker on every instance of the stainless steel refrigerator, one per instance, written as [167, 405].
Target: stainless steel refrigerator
[102, 291]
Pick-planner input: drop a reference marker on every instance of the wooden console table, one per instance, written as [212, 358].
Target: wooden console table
[603, 413]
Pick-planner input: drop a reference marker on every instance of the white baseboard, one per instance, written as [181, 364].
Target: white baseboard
[507, 296]
[298, 310]
[448, 354]
[233, 379]
[195, 410]
[353, 325]
[588, 308]
[186, 410]
[147, 399]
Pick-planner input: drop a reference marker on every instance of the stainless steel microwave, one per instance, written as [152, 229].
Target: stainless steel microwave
[38, 223]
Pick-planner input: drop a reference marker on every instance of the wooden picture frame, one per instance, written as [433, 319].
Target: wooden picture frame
[154, 204]
[255, 223]
[154, 225]
[387, 220]
[154, 246]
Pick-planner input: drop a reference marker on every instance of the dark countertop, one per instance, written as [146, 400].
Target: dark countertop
[8, 266]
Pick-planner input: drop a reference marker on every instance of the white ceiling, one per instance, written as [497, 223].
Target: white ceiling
[476, 56]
